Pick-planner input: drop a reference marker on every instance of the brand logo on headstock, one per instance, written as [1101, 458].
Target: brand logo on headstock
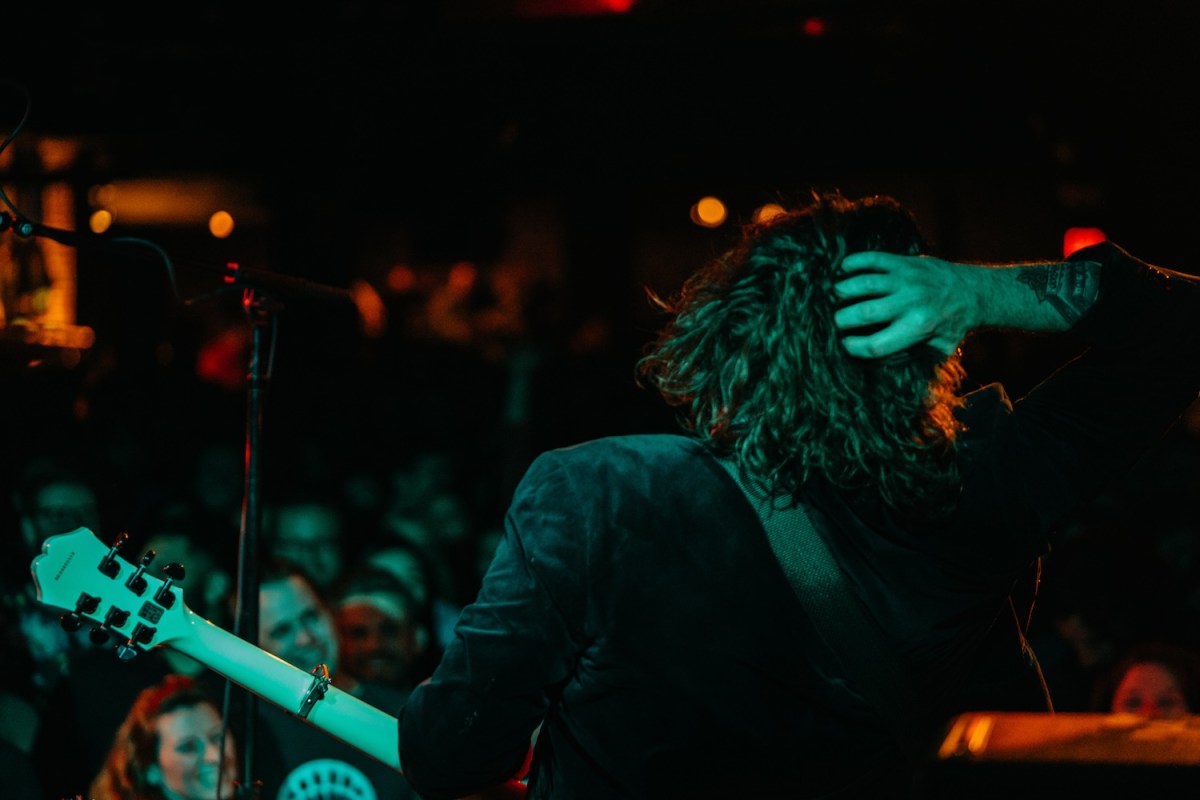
[66, 563]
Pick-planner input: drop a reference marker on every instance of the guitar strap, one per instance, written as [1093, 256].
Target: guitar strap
[873, 670]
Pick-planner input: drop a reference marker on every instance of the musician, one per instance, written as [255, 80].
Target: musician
[635, 610]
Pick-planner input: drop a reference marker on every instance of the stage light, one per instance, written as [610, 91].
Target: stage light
[100, 221]
[220, 224]
[814, 27]
[767, 211]
[708, 212]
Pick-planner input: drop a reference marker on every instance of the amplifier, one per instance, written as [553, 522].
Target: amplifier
[988, 754]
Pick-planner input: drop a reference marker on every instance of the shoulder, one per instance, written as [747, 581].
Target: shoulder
[645, 454]
[633, 465]
[638, 447]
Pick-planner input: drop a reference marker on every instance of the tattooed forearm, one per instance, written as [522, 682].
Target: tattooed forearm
[1070, 287]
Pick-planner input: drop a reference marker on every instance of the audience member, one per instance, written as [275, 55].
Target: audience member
[307, 531]
[52, 495]
[429, 506]
[214, 486]
[416, 569]
[1157, 680]
[419, 477]
[296, 624]
[171, 746]
[383, 632]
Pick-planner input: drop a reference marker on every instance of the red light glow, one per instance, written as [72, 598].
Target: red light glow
[814, 26]
[1079, 238]
[401, 278]
[571, 8]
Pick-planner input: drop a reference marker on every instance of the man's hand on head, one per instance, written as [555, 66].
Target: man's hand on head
[892, 302]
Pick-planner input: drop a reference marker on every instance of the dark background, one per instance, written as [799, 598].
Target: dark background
[374, 113]
[383, 108]
[359, 125]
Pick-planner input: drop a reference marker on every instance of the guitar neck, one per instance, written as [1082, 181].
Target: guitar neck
[338, 713]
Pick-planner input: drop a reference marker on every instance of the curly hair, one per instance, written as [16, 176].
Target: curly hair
[753, 361]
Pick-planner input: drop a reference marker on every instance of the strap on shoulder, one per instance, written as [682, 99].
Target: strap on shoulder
[872, 668]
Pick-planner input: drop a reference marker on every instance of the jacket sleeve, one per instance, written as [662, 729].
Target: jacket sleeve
[1028, 464]
[470, 725]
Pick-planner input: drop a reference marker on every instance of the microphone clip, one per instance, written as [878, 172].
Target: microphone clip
[20, 226]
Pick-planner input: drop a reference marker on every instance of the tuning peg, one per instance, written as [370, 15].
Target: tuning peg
[142, 635]
[115, 618]
[109, 565]
[175, 572]
[86, 604]
[136, 583]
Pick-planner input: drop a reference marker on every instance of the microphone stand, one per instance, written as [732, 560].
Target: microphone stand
[262, 313]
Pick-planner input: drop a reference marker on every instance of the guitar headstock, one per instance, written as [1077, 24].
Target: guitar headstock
[89, 580]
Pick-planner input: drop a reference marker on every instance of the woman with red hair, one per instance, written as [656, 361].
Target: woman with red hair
[171, 746]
